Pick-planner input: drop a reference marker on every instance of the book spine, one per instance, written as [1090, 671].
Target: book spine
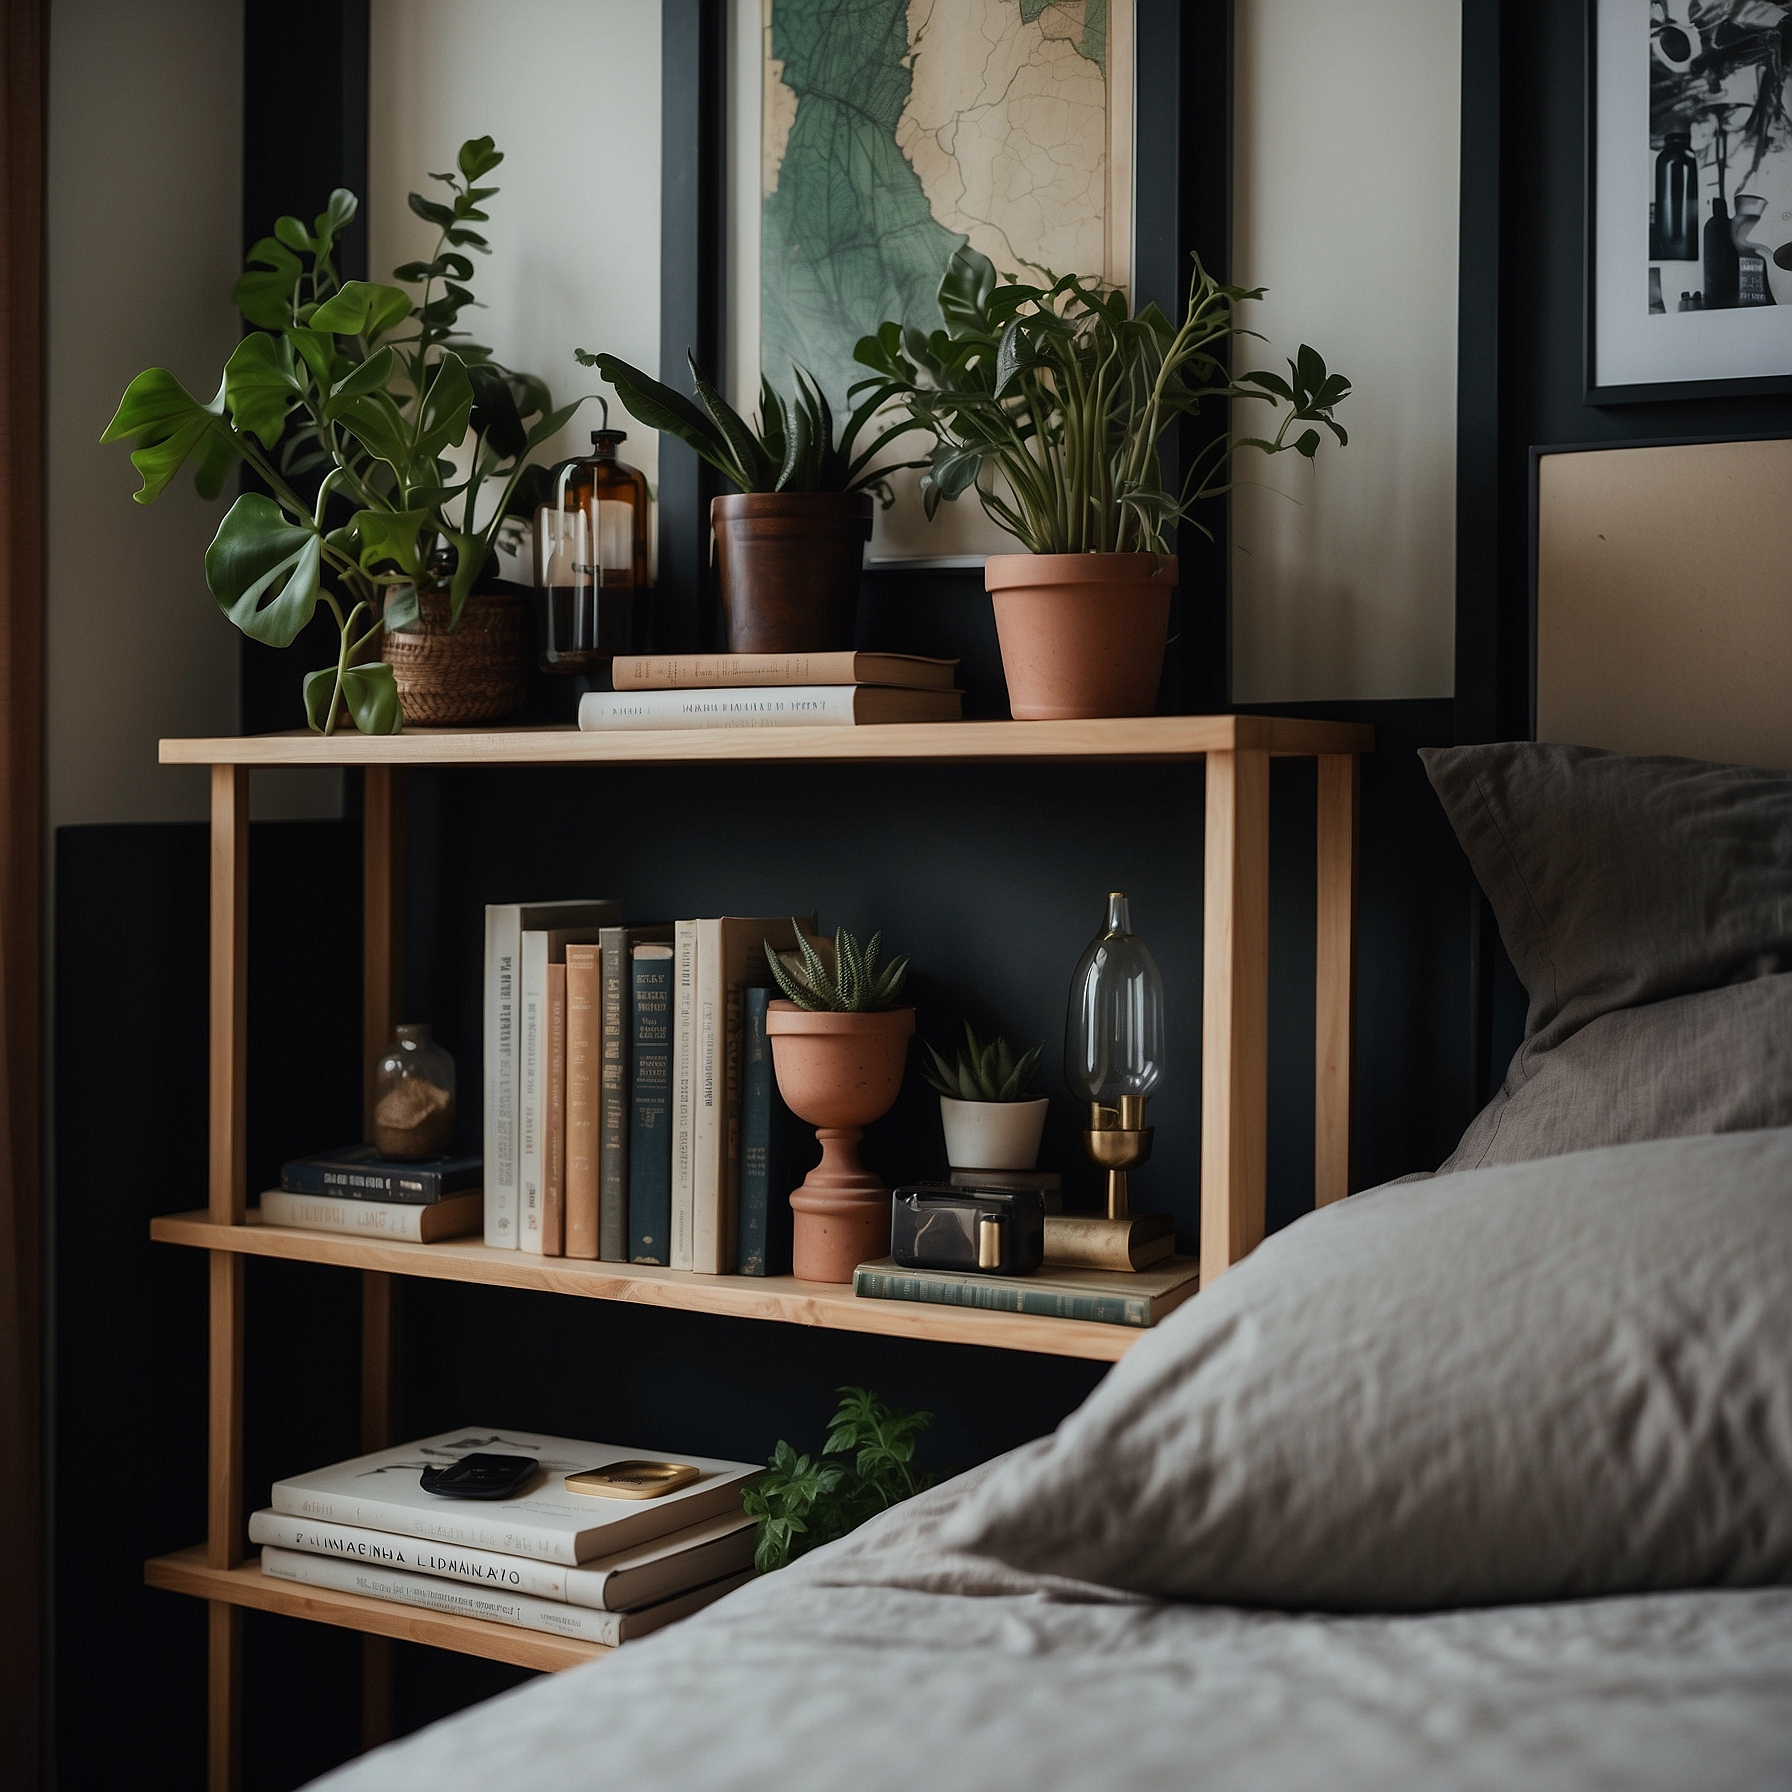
[709, 1104]
[418, 1187]
[684, 1066]
[650, 1118]
[613, 1083]
[707, 671]
[755, 1135]
[553, 1137]
[1041, 1301]
[532, 1002]
[461, 1528]
[435, 1595]
[735, 1010]
[757, 707]
[502, 937]
[335, 1213]
[583, 1050]
[415, 1555]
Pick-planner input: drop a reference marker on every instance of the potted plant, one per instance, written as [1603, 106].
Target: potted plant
[346, 401]
[991, 1120]
[790, 539]
[1050, 401]
[839, 1044]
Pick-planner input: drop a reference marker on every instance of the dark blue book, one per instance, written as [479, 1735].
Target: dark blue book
[650, 1107]
[767, 1154]
[361, 1174]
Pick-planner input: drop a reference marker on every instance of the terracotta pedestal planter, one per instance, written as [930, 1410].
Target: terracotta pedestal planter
[839, 1072]
[1081, 634]
[479, 673]
[789, 564]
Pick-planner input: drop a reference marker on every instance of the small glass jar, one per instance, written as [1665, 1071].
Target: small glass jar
[591, 561]
[413, 1098]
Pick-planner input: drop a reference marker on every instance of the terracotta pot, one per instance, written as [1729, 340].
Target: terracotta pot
[790, 564]
[1081, 634]
[993, 1135]
[839, 1072]
[479, 673]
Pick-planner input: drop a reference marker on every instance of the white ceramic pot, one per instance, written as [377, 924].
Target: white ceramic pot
[992, 1135]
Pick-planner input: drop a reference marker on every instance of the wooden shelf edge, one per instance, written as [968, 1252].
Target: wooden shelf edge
[186, 1572]
[778, 1298]
[1137, 737]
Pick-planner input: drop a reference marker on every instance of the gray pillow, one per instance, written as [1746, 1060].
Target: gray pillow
[1623, 885]
[1542, 1381]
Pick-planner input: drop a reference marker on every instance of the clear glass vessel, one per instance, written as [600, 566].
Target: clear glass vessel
[591, 563]
[1114, 1027]
[413, 1102]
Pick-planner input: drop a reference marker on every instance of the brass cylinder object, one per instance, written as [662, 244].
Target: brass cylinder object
[1118, 1140]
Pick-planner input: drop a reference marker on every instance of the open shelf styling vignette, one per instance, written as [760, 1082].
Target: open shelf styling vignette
[1234, 1083]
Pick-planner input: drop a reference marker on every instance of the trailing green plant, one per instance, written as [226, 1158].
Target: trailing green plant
[854, 984]
[1051, 401]
[982, 1072]
[866, 1465]
[357, 386]
[788, 447]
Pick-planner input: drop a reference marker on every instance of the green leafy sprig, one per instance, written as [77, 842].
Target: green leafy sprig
[854, 984]
[982, 1072]
[866, 1466]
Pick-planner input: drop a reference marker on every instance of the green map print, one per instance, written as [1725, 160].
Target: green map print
[847, 239]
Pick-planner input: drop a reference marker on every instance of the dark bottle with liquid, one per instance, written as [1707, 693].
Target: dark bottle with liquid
[1674, 230]
[1723, 271]
[591, 566]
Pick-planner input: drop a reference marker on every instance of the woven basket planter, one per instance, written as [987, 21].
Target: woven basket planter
[479, 673]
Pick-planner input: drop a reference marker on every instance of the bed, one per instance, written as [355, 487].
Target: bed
[1481, 1479]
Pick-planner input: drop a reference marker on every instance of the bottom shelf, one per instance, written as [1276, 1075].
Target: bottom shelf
[186, 1572]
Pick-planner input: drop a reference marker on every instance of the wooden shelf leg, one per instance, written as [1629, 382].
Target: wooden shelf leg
[1335, 976]
[382, 959]
[224, 1725]
[1234, 1009]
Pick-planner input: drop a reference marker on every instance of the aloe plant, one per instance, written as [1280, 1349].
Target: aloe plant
[982, 1072]
[854, 984]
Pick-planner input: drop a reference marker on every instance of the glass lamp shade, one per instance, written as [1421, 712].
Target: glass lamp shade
[1114, 1028]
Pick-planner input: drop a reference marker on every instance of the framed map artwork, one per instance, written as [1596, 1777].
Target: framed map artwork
[869, 139]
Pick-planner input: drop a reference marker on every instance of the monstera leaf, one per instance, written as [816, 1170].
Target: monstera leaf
[263, 570]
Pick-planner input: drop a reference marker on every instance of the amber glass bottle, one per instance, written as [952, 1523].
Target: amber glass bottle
[591, 560]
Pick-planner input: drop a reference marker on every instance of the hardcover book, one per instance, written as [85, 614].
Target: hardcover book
[382, 1492]
[358, 1172]
[551, 1615]
[704, 671]
[542, 950]
[584, 1046]
[684, 1094]
[768, 1136]
[766, 706]
[1107, 1297]
[410, 1222]
[631, 1577]
[650, 1107]
[615, 1077]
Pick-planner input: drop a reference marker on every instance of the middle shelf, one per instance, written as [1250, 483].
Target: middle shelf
[781, 1298]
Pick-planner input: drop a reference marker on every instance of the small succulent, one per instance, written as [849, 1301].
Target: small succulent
[983, 1072]
[854, 985]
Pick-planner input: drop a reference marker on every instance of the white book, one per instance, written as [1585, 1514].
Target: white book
[632, 1577]
[383, 1492]
[454, 1216]
[684, 1084]
[766, 706]
[504, 924]
[552, 1615]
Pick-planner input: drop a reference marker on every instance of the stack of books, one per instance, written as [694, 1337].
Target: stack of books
[631, 1113]
[603, 1570]
[772, 690]
[356, 1190]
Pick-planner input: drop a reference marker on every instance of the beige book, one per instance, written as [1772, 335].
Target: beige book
[684, 1059]
[553, 1142]
[584, 1056]
[452, 1217]
[695, 671]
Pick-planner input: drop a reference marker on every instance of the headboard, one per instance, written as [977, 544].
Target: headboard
[1663, 599]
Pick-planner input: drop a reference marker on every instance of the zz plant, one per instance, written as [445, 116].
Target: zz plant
[1051, 401]
[345, 401]
[982, 1072]
[853, 985]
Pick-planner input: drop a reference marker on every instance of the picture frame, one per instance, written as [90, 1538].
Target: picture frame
[1687, 101]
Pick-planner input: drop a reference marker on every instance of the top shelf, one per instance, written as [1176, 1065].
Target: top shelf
[1135, 738]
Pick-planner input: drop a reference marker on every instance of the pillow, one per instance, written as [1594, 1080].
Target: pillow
[1621, 883]
[1541, 1381]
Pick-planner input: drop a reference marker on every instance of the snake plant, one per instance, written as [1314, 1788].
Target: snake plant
[982, 1072]
[854, 984]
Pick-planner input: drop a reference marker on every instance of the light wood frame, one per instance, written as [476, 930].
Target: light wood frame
[1237, 751]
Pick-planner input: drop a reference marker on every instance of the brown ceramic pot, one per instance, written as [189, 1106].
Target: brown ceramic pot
[479, 673]
[839, 1072]
[790, 565]
[1081, 634]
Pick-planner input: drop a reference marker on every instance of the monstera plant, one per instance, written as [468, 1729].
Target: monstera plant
[375, 428]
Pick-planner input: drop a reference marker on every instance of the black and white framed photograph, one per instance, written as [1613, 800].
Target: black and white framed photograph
[1690, 239]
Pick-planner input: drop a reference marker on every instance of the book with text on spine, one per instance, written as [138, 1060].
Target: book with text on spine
[615, 1079]
[650, 1106]
[703, 671]
[409, 1222]
[774, 706]
[358, 1172]
[1104, 1296]
[543, 950]
[584, 1047]
[551, 1615]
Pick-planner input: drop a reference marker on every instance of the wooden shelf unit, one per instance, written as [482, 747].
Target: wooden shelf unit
[1235, 1000]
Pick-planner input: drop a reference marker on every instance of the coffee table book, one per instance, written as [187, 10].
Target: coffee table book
[414, 1222]
[1106, 1297]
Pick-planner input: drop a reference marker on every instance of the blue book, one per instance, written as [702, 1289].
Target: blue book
[766, 1154]
[650, 1107]
[359, 1173]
